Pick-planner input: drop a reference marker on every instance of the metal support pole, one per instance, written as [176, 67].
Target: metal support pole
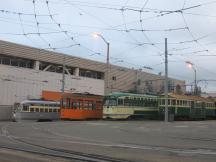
[195, 82]
[166, 113]
[63, 77]
[107, 86]
[108, 68]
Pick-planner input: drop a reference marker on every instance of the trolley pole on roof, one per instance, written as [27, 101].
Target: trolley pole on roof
[166, 113]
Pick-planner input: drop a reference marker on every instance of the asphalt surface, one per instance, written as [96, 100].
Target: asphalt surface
[116, 141]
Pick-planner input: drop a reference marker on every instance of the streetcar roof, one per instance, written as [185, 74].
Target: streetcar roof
[81, 95]
[189, 97]
[39, 102]
[122, 94]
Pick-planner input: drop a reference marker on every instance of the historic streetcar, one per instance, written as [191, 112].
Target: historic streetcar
[119, 105]
[211, 108]
[187, 107]
[77, 106]
[36, 110]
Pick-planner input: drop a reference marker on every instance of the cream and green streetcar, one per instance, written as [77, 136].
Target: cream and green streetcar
[187, 106]
[119, 105]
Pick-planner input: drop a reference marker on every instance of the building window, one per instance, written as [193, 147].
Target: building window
[90, 74]
[5, 61]
[57, 68]
[114, 78]
[15, 61]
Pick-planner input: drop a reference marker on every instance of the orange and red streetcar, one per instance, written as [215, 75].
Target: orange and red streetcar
[77, 106]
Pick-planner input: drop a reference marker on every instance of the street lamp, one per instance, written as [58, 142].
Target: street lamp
[191, 66]
[97, 35]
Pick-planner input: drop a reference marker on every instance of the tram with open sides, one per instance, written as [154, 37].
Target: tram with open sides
[36, 110]
[78, 106]
[120, 105]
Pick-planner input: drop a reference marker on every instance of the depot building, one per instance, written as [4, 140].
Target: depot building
[26, 72]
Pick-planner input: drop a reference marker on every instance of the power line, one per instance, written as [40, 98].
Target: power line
[37, 25]
[23, 30]
[24, 14]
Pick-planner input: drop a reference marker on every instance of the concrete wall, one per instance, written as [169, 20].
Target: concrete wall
[17, 84]
[5, 112]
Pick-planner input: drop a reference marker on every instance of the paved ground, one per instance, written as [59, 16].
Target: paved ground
[151, 141]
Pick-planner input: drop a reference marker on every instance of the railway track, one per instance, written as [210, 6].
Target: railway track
[55, 152]
[192, 151]
[71, 155]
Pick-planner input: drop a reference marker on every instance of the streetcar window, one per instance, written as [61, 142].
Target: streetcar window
[68, 103]
[91, 105]
[111, 102]
[31, 109]
[154, 103]
[169, 103]
[74, 105]
[61, 103]
[58, 110]
[173, 102]
[126, 101]
[177, 102]
[120, 101]
[36, 109]
[50, 110]
[45, 110]
[85, 105]
[98, 105]
[64, 103]
[163, 101]
[54, 110]
[25, 108]
[142, 102]
[79, 104]
[41, 110]
[139, 102]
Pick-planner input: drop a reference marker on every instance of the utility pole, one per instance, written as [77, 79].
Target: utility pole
[166, 113]
[191, 65]
[108, 67]
[107, 86]
[195, 83]
[63, 76]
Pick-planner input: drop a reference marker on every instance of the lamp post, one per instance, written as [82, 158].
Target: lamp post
[191, 66]
[96, 35]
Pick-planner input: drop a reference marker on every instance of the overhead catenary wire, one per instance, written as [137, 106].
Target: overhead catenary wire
[37, 24]
[23, 31]
[176, 46]
[66, 32]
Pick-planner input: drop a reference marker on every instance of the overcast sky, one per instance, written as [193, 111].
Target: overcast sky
[136, 38]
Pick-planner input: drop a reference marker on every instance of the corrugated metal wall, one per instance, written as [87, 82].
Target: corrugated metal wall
[5, 112]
